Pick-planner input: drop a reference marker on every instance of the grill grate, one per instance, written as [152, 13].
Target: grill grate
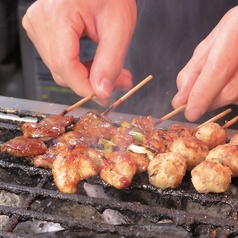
[194, 224]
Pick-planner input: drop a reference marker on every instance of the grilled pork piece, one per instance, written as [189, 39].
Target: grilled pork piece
[48, 128]
[211, 176]
[167, 170]
[212, 134]
[22, 146]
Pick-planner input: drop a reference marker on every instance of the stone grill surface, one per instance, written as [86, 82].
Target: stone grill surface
[28, 194]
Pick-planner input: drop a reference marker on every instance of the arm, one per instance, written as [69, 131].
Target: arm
[55, 27]
[210, 78]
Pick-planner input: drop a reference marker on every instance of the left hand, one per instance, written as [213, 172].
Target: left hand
[210, 78]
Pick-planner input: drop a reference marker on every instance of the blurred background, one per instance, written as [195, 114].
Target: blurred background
[22, 72]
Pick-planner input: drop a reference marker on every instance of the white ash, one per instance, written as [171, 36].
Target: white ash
[109, 216]
[8, 199]
[38, 227]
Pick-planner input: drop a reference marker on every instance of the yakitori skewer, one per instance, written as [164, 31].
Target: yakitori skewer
[231, 122]
[78, 104]
[128, 94]
[169, 115]
[217, 117]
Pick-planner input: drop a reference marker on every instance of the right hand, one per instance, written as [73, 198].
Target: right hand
[55, 27]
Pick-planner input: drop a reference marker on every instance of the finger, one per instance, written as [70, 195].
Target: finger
[124, 81]
[190, 73]
[216, 72]
[64, 53]
[228, 95]
[108, 62]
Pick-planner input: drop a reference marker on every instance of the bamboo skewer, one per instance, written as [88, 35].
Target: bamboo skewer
[231, 122]
[78, 104]
[128, 94]
[169, 115]
[217, 117]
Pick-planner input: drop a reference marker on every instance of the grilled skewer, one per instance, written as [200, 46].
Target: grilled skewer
[77, 104]
[128, 94]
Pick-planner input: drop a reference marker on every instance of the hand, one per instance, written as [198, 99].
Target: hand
[55, 27]
[210, 78]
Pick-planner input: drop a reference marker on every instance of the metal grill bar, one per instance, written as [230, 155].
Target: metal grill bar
[154, 214]
[14, 220]
[77, 224]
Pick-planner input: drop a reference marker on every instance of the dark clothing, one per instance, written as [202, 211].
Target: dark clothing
[165, 37]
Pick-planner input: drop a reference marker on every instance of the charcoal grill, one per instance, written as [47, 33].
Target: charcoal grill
[152, 212]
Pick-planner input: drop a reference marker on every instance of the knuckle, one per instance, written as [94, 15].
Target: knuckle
[220, 66]
[230, 93]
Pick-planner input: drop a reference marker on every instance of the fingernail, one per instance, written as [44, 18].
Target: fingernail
[106, 86]
[193, 114]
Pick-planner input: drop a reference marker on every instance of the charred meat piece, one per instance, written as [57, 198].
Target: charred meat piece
[22, 146]
[48, 128]
[73, 165]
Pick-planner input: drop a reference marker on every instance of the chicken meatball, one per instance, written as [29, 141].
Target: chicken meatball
[212, 134]
[191, 148]
[226, 154]
[166, 170]
[234, 139]
[211, 176]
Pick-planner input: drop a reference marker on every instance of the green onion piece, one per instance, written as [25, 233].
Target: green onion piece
[106, 145]
[137, 135]
[125, 124]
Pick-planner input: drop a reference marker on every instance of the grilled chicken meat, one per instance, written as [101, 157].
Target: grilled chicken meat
[63, 142]
[48, 128]
[93, 127]
[160, 139]
[145, 124]
[73, 165]
[22, 146]
[119, 168]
